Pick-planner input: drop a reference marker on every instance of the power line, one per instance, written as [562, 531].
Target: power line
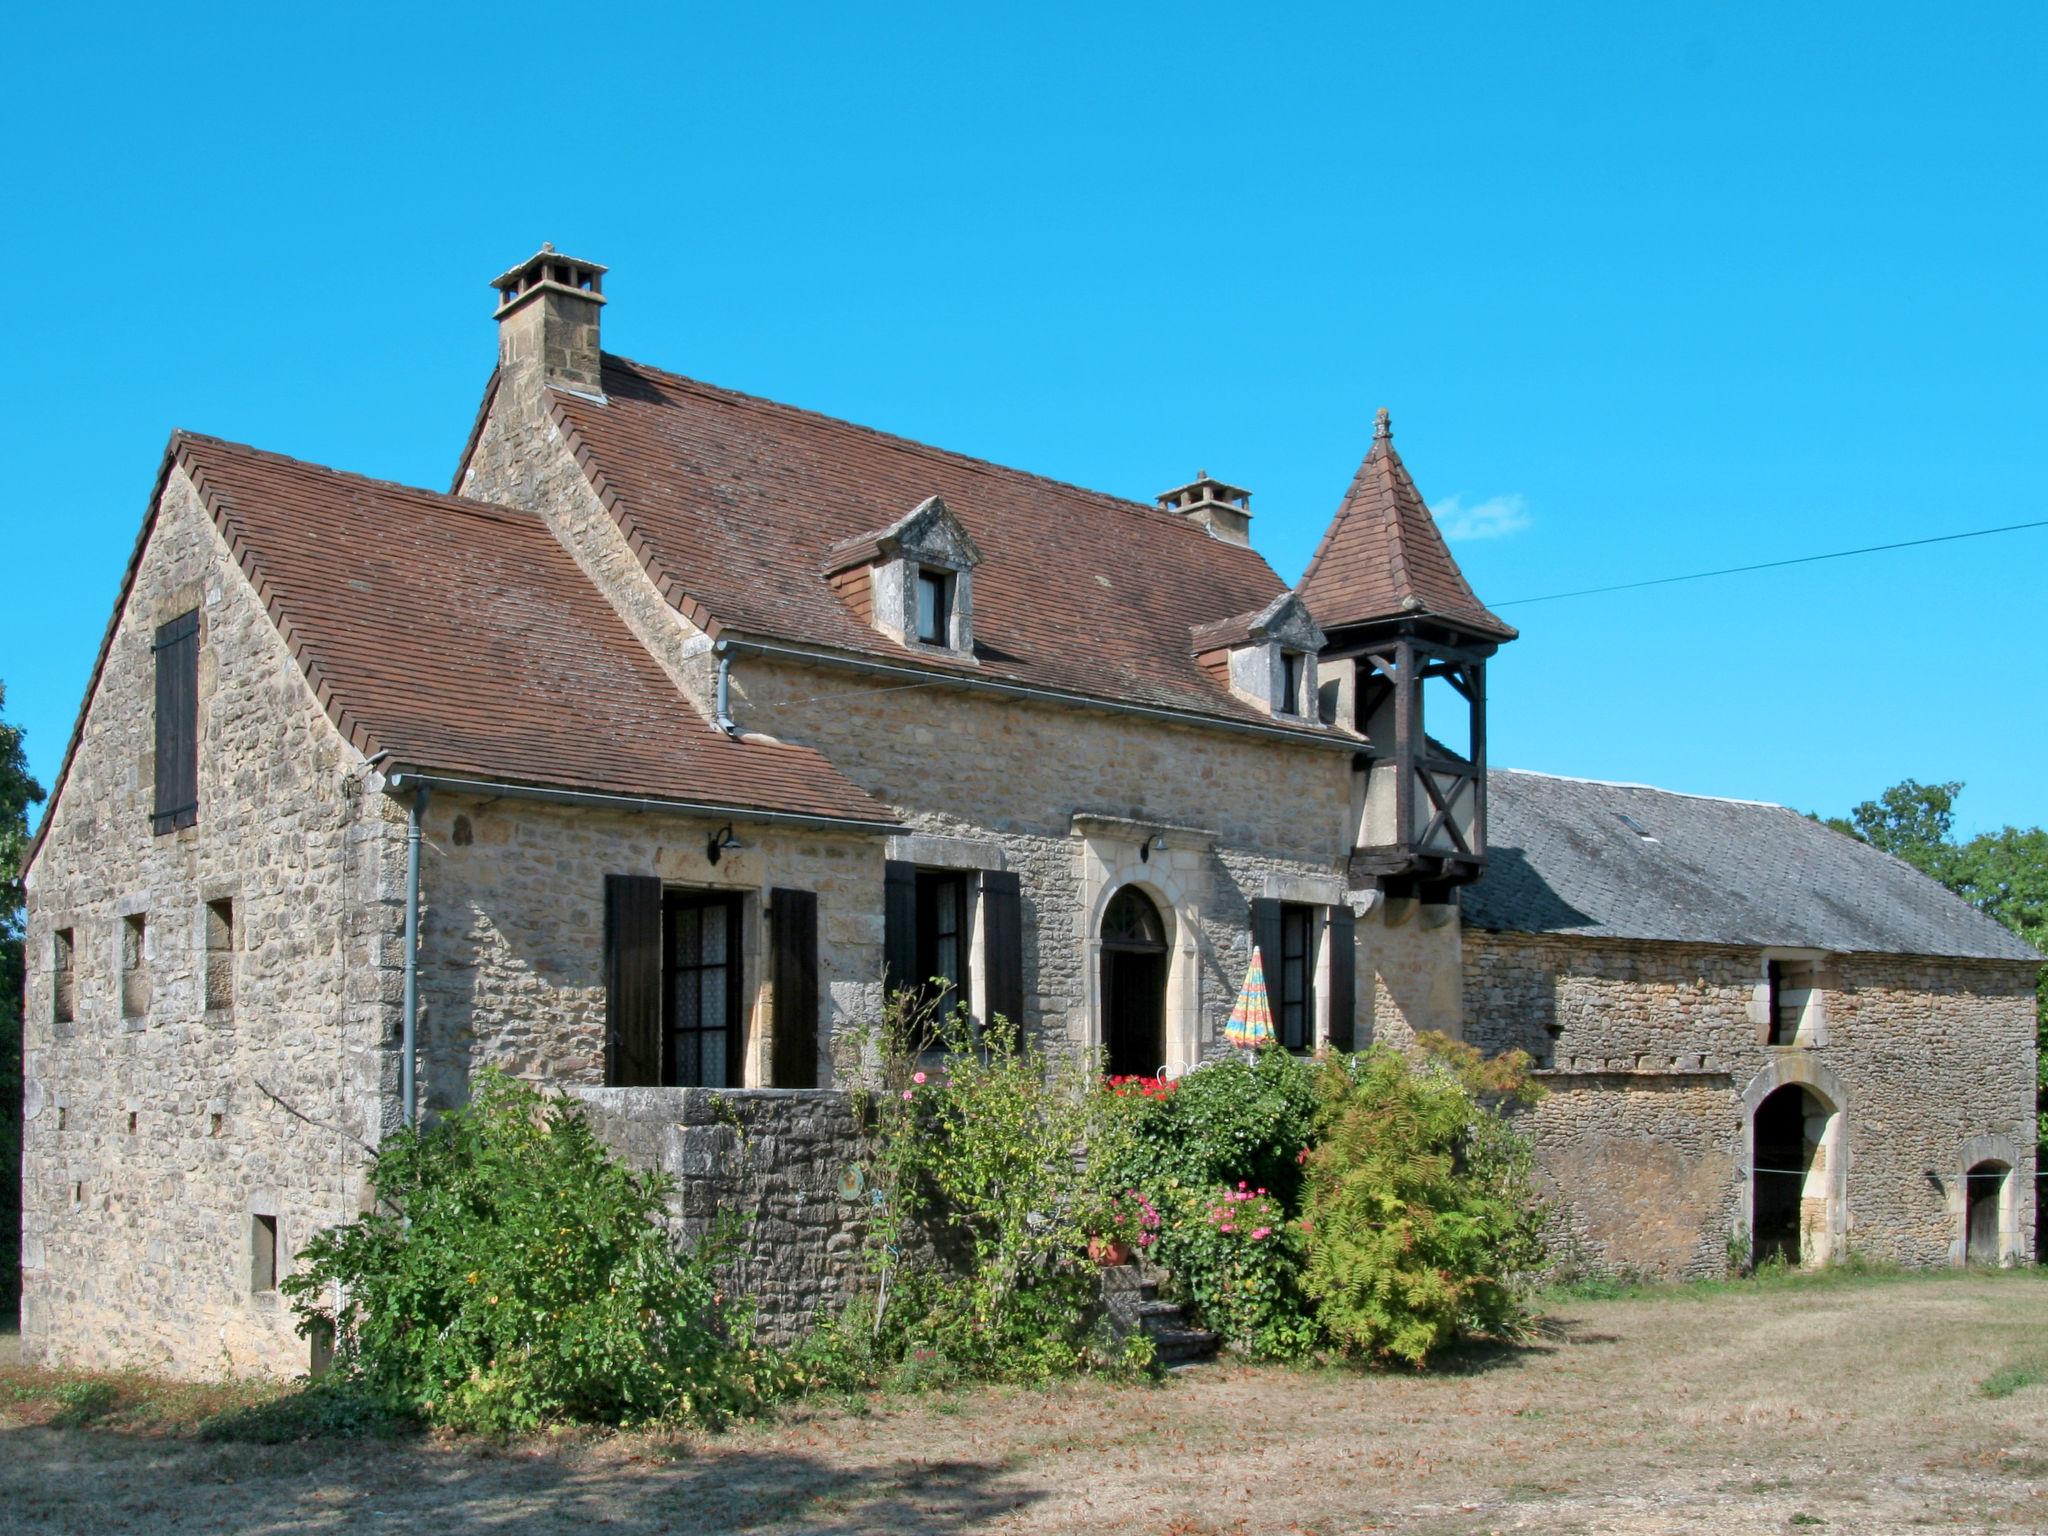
[1770, 565]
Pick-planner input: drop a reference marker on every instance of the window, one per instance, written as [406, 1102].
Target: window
[1296, 1018]
[220, 954]
[262, 1254]
[134, 966]
[1789, 984]
[177, 724]
[934, 606]
[63, 984]
[1292, 665]
[701, 1046]
[942, 940]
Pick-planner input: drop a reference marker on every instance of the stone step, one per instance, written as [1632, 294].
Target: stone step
[1184, 1346]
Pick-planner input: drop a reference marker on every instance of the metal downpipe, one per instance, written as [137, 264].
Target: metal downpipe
[408, 1065]
[725, 721]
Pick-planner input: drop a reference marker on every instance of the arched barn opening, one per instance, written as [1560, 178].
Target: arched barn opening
[1983, 1222]
[1790, 1188]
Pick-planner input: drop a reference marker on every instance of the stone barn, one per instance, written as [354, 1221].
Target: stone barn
[640, 761]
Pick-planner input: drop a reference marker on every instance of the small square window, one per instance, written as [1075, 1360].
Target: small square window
[935, 607]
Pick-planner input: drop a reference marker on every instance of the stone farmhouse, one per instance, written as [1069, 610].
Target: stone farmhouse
[635, 764]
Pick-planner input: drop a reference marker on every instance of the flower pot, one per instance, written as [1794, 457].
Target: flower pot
[1109, 1251]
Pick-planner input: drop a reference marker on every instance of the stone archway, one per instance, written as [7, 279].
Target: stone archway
[1795, 1148]
[1135, 960]
[1985, 1204]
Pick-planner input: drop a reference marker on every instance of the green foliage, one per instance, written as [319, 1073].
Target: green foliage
[83, 1402]
[1240, 1259]
[18, 791]
[980, 1173]
[334, 1407]
[1422, 1217]
[515, 1274]
[2015, 1377]
[2004, 874]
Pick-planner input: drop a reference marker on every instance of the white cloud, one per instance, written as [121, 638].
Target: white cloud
[1494, 518]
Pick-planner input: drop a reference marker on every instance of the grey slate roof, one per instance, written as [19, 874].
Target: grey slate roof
[1560, 859]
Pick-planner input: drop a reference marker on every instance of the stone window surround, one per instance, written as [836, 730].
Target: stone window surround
[895, 597]
[203, 951]
[968, 855]
[1257, 673]
[1828, 1179]
[1809, 965]
[2015, 1222]
[1112, 852]
[756, 995]
[1321, 894]
[140, 904]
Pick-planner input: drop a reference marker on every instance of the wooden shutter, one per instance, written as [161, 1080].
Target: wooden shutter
[1266, 934]
[177, 724]
[632, 980]
[899, 927]
[1002, 929]
[1343, 979]
[793, 967]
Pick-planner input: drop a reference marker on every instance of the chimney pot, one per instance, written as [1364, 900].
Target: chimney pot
[548, 333]
[1225, 510]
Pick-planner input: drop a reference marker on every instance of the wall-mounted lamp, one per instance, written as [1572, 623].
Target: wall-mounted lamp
[722, 842]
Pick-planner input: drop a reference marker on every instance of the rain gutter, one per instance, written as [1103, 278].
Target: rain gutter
[407, 778]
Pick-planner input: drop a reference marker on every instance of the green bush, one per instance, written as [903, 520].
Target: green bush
[1240, 1259]
[1421, 1213]
[515, 1274]
[1227, 1121]
[977, 1249]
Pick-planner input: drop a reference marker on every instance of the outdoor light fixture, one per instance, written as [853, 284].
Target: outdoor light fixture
[722, 842]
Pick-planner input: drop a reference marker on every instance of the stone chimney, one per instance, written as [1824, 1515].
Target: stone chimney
[1225, 510]
[547, 321]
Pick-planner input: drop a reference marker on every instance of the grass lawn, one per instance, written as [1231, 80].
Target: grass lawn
[1850, 1403]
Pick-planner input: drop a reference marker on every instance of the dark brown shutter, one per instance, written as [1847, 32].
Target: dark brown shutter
[632, 980]
[1002, 927]
[899, 927]
[177, 724]
[793, 966]
[1343, 979]
[1266, 934]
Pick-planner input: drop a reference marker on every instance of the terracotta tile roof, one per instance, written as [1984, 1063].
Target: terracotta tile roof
[462, 638]
[735, 506]
[1382, 556]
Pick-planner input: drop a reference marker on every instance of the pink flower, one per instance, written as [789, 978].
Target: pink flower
[1242, 1185]
[1259, 1232]
[917, 1077]
[906, 1093]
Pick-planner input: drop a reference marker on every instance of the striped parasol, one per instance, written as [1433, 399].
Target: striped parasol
[1251, 1021]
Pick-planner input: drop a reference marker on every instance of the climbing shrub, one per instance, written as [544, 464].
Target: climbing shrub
[515, 1274]
[1421, 1215]
[1240, 1256]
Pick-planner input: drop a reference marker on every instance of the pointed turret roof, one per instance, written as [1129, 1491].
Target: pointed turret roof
[1383, 558]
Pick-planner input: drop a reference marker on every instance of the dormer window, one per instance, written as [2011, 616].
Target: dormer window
[935, 606]
[913, 581]
[1292, 665]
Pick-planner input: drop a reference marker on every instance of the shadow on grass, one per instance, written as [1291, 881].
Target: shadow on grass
[54, 1480]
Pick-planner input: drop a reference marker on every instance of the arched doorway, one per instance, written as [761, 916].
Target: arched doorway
[1984, 1219]
[1133, 984]
[1791, 1190]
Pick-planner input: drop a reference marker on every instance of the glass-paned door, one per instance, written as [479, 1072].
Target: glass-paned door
[701, 1046]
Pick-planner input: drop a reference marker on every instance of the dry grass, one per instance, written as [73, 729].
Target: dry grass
[1852, 1405]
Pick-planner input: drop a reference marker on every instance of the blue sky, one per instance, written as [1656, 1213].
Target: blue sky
[1648, 290]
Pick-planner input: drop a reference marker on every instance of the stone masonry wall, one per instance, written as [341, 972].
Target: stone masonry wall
[152, 1141]
[512, 931]
[775, 1158]
[1648, 1051]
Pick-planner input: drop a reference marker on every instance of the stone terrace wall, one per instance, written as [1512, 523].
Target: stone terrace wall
[1647, 1050]
[772, 1156]
[151, 1141]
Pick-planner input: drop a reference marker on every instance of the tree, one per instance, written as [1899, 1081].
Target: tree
[18, 791]
[2003, 874]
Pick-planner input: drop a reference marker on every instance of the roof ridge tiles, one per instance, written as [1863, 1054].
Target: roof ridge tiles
[1655, 789]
